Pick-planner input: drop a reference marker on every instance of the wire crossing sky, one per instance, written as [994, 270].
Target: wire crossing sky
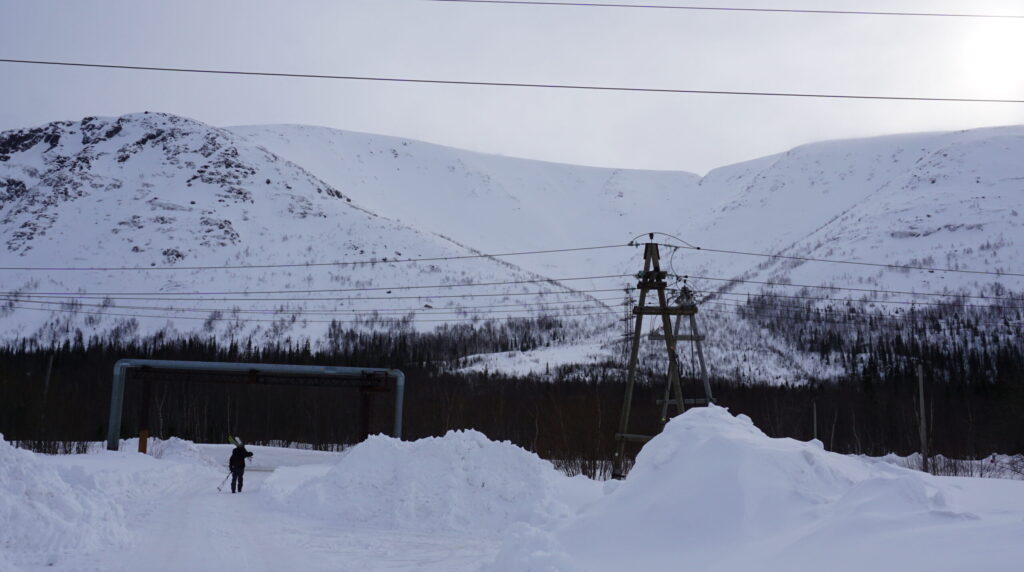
[512, 84]
[731, 9]
[720, 49]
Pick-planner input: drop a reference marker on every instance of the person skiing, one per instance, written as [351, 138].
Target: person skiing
[237, 464]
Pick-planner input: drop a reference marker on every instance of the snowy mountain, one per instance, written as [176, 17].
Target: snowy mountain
[156, 191]
[936, 199]
[945, 200]
[494, 203]
[949, 200]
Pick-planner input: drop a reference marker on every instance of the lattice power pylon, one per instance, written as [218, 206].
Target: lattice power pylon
[652, 277]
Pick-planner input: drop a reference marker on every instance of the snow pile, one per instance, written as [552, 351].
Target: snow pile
[180, 450]
[45, 515]
[715, 492]
[460, 482]
[131, 479]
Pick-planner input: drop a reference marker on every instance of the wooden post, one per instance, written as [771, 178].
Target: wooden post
[620, 449]
[144, 415]
[653, 278]
[670, 339]
[923, 426]
[814, 412]
[700, 358]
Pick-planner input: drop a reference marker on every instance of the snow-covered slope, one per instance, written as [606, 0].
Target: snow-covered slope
[947, 200]
[494, 203]
[156, 191]
[943, 199]
[153, 190]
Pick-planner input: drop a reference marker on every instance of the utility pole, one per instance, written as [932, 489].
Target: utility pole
[652, 277]
[924, 425]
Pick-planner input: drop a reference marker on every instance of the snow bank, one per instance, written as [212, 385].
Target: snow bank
[45, 516]
[181, 451]
[57, 507]
[716, 493]
[460, 482]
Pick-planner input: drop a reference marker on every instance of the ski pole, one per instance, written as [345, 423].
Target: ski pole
[222, 482]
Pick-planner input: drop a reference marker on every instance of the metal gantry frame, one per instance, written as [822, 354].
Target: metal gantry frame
[257, 373]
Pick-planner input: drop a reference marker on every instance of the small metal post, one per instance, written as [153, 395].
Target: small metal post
[399, 401]
[116, 403]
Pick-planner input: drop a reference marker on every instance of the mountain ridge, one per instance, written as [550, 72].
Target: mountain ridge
[190, 197]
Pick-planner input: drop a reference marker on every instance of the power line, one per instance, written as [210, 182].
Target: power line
[545, 306]
[511, 84]
[250, 295]
[731, 9]
[849, 288]
[286, 318]
[861, 320]
[930, 269]
[846, 319]
[20, 295]
[863, 301]
[553, 281]
[838, 319]
[304, 264]
[871, 320]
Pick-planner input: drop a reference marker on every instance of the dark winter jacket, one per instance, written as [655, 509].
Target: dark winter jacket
[238, 457]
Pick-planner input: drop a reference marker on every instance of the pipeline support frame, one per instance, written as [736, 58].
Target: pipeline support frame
[341, 376]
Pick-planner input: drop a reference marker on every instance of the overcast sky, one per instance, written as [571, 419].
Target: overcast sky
[941, 57]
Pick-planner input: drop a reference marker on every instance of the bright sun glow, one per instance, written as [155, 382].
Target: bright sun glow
[992, 58]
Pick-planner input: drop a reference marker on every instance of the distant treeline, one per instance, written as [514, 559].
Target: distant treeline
[974, 383]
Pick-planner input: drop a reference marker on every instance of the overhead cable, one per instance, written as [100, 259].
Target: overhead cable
[583, 87]
[733, 9]
[288, 318]
[382, 260]
[931, 269]
[427, 297]
[485, 309]
[850, 288]
[551, 281]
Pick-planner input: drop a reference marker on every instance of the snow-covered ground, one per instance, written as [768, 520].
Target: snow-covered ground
[539, 361]
[711, 492]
